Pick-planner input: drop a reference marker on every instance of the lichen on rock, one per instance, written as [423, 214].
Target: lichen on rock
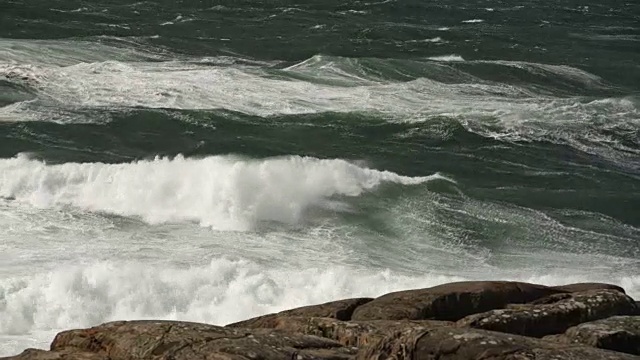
[618, 333]
[553, 314]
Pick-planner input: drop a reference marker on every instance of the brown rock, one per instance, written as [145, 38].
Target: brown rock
[341, 310]
[450, 343]
[618, 333]
[554, 314]
[580, 287]
[186, 341]
[352, 333]
[37, 354]
[450, 301]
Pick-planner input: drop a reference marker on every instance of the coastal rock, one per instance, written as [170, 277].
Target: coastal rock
[351, 333]
[450, 343]
[341, 310]
[491, 318]
[182, 340]
[553, 314]
[450, 301]
[581, 287]
[618, 333]
[37, 354]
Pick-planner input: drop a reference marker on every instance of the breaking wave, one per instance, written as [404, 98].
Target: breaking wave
[222, 192]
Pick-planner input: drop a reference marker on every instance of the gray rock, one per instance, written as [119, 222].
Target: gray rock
[351, 333]
[554, 314]
[450, 301]
[618, 333]
[185, 341]
[451, 343]
[341, 310]
[580, 287]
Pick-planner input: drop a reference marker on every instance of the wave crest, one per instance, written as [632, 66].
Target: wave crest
[223, 192]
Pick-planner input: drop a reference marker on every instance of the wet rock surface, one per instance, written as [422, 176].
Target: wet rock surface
[494, 320]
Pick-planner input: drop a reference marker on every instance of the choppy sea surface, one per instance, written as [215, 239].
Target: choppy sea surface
[216, 160]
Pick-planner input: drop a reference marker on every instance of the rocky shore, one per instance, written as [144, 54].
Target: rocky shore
[458, 321]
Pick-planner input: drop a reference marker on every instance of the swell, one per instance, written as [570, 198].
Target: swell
[374, 29]
[171, 77]
[540, 78]
[123, 135]
[146, 133]
[505, 100]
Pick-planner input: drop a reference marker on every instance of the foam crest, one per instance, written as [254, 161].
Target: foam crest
[549, 71]
[447, 58]
[327, 85]
[223, 192]
[320, 84]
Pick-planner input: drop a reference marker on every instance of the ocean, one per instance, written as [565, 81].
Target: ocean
[212, 161]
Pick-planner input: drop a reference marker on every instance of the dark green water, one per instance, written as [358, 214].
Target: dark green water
[529, 111]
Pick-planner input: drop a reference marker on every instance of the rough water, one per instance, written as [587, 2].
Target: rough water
[216, 160]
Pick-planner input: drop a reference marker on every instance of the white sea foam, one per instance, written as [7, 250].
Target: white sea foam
[451, 57]
[36, 306]
[222, 192]
[221, 292]
[181, 85]
[79, 93]
[63, 268]
[329, 85]
[332, 86]
[429, 40]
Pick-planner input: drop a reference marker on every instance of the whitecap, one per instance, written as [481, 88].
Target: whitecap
[222, 192]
